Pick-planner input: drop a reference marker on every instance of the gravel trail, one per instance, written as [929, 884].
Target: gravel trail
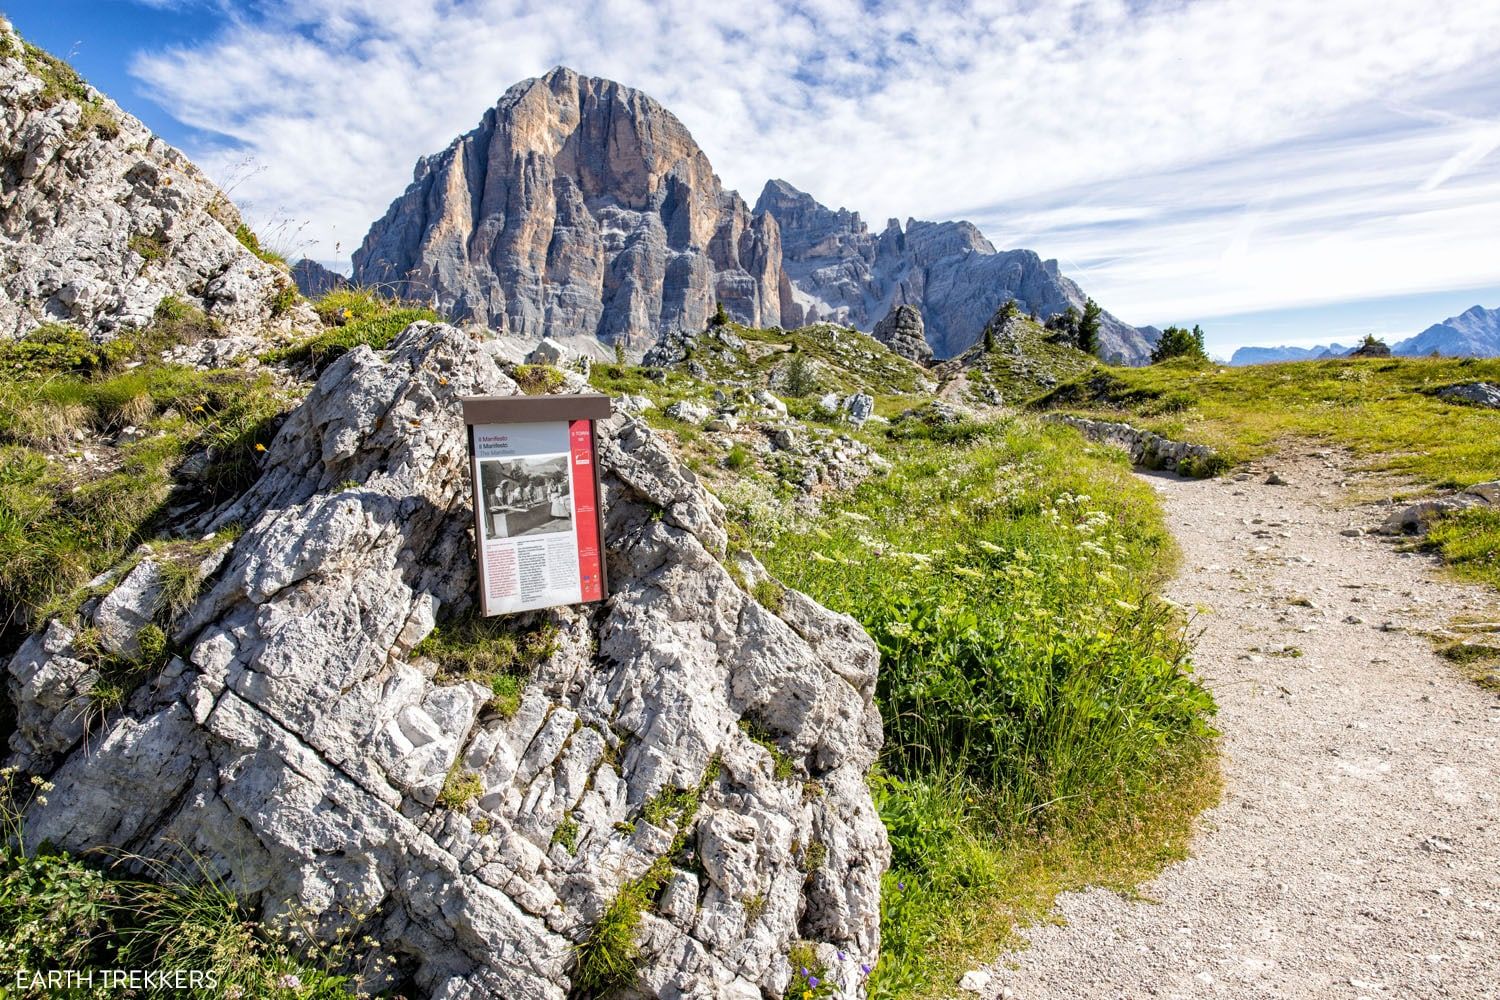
[1356, 853]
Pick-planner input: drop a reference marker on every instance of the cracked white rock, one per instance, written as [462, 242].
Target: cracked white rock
[298, 747]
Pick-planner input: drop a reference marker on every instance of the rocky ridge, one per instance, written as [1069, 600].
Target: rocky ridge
[298, 743]
[842, 272]
[100, 220]
[583, 207]
[1473, 333]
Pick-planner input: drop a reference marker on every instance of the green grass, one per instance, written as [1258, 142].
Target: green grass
[63, 521]
[1469, 541]
[1043, 728]
[374, 323]
[149, 246]
[460, 788]
[120, 911]
[1381, 409]
[498, 652]
[609, 957]
[1042, 363]
[251, 242]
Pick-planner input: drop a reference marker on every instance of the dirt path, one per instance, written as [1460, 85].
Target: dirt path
[1357, 849]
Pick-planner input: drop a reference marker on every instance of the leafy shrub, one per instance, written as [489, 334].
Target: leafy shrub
[800, 377]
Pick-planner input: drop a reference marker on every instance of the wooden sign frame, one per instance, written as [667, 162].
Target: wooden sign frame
[538, 513]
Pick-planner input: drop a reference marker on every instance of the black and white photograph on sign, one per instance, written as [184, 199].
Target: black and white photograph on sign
[526, 496]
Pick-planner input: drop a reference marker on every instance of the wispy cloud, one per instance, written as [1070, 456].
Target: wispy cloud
[1185, 158]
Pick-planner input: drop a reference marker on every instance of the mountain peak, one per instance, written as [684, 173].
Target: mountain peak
[580, 206]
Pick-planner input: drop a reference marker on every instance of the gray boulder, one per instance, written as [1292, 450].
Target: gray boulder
[860, 407]
[1148, 449]
[548, 352]
[689, 412]
[298, 746]
[1473, 393]
[1416, 518]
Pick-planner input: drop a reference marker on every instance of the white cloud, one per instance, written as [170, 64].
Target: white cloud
[1233, 154]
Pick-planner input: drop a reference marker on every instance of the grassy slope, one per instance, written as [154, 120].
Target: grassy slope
[1042, 731]
[1025, 753]
[1040, 364]
[1381, 408]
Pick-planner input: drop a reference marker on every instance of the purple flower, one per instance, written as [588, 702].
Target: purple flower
[841, 956]
[901, 886]
[864, 967]
[804, 970]
[812, 981]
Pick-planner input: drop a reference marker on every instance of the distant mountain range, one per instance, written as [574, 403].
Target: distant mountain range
[1473, 333]
[581, 206]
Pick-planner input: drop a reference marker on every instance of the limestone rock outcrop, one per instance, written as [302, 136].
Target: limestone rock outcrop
[1416, 518]
[1147, 449]
[100, 220]
[902, 331]
[577, 206]
[298, 745]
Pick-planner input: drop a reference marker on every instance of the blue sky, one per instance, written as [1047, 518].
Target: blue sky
[1276, 170]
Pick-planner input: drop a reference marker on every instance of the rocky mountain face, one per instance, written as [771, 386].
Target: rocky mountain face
[298, 743]
[577, 206]
[100, 220]
[842, 272]
[1474, 333]
[314, 280]
[903, 331]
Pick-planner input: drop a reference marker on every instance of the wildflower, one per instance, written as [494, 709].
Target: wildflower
[901, 886]
[812, 981]
[259, 446]
[807, 995]
[864, 967]
[290, 981]
[442, 381]
[841, 956]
